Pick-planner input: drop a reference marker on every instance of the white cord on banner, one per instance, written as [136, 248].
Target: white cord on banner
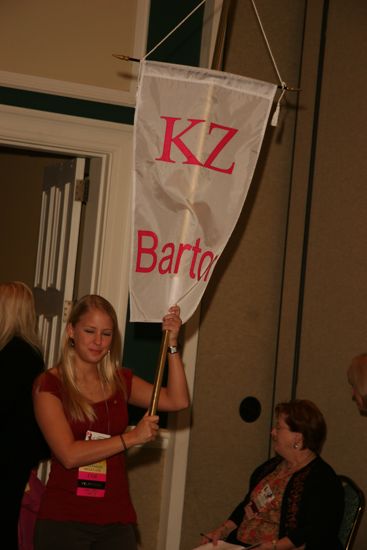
[267, 43]
[283, 85]
[175, 29]
[275, 117]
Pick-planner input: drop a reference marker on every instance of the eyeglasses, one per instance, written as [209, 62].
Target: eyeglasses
[277, 427]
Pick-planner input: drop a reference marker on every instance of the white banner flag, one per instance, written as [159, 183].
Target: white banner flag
[197, 138]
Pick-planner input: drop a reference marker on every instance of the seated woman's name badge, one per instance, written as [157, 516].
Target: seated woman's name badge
[92, 478]
[264, 497]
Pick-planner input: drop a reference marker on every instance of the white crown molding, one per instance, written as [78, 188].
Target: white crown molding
[68, 89]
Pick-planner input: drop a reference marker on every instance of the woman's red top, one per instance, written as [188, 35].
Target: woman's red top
[60, 501]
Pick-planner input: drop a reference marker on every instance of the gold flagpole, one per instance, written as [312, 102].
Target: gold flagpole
[159, 374]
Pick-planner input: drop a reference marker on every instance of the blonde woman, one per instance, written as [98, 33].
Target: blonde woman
[20, 363]
[81, 407]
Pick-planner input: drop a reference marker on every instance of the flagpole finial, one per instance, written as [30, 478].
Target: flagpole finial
[285, 88]
[126, 57]
[291, 89]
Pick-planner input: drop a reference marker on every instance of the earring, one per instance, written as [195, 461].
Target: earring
[295, 445]
[71, 342]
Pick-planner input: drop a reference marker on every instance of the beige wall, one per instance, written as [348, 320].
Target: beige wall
[249, 337]
[334, 320]
[146, 468]
[69, 41]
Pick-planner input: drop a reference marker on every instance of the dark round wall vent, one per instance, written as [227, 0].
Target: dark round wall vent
[250, 409]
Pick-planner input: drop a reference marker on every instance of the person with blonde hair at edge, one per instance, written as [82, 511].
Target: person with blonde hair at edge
[357, 378]
[21, 361]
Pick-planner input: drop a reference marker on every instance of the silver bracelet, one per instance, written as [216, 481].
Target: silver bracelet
[172, 349]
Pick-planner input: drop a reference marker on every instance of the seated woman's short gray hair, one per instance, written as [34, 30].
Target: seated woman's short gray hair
[303, 416]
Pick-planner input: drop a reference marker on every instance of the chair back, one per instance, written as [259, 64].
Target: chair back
[353, 510]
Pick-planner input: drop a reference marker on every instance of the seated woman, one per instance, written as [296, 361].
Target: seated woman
[295, 500]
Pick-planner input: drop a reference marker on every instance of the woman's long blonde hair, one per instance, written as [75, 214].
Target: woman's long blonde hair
[17, 314]
[77, 406]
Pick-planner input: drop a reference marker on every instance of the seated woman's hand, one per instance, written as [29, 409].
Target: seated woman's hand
[212, 536]
[221, 533]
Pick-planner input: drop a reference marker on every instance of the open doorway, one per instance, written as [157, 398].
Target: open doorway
[47, 212]
[20, 207]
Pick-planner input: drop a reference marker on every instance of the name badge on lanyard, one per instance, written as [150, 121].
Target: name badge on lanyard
[264, 497]
[92, 478]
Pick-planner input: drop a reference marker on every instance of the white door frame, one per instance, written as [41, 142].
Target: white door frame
[112, 143]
